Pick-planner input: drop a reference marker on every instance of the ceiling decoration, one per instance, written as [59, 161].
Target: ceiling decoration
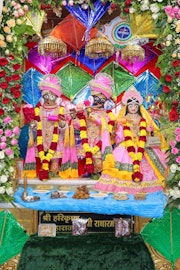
[99, 47]
[133, 53]
[52, 46]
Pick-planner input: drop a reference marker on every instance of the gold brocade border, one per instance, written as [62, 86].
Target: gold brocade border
[11, 264]
[159, 261]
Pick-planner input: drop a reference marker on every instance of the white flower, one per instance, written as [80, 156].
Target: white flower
[154, 8]
[174, 193]
[169, 37]
[2, 155]
[155, 16]
[11, 169]
[2, 190]
[145, 2]
[179, 183]
[132, 10]
[144, 7]
[9, 191]
[6, 52]
[3, 179]
[173, 168]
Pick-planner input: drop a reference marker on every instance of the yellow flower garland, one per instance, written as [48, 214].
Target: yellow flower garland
[83, 135]
[136, 156]
[46, 158]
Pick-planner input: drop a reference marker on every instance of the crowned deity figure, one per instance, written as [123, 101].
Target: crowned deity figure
[139, 154]
[48, 126]
[92, 120]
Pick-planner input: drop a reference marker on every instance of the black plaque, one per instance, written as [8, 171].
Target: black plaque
[96, 222]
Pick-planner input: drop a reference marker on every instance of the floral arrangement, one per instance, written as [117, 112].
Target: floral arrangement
[173, 180]
[14, 32]
[12, 40]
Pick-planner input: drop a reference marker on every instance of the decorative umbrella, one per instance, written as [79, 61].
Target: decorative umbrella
[150, 54]
[52, 46]
[163, 234]
[132, 53]
[99, 47]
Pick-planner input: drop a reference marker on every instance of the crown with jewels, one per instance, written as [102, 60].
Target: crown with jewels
[51, 83]
[132, 96]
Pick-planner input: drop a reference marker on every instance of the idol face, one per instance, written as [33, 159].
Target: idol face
[133, 108]
[99, 100]
[50, 99]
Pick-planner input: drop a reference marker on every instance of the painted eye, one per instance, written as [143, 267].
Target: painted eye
[46, 96]
[51, 97]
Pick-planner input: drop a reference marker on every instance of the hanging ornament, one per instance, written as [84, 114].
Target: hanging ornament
[133, 53]
[99, 47]
[52, 46]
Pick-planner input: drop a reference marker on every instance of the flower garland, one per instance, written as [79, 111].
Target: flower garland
[46, 157]
[136, 156]
[90, 151]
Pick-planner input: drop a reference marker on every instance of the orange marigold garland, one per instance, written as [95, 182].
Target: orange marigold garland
[90, 151]
[46, 157]
[136, 156]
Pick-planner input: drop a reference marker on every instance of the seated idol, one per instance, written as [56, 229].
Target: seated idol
[138, 167]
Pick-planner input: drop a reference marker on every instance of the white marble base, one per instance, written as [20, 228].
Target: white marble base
[60, 182]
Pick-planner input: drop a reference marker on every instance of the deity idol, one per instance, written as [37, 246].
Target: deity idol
[50, 127]
[138, 167]
[93, 120]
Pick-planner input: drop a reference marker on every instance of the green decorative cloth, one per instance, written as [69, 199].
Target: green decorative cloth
[12, 236]
[73, 79]
[93, 251]
[163, 234]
